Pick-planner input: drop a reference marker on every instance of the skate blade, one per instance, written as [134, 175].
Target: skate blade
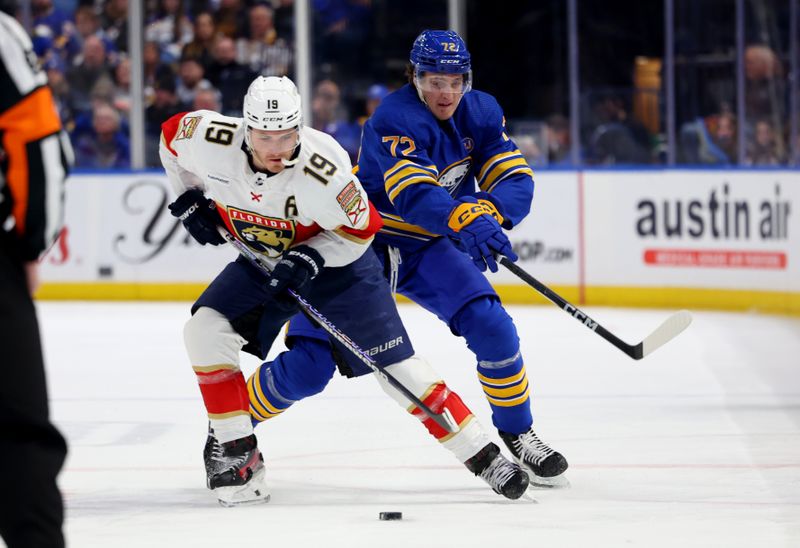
[555, 482]
[253, 492]
[526, 498]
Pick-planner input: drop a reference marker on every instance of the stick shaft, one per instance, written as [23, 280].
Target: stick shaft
[440, 418]
[668, 330]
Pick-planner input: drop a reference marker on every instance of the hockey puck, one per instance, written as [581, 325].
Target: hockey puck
[390, 516]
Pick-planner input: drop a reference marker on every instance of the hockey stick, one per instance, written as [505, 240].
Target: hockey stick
[442, 419]
[664, 333]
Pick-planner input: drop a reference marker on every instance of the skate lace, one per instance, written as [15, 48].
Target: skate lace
[531, 448]
[223, 462]
[498, 472]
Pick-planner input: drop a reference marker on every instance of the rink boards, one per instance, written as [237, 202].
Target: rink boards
[677, 238]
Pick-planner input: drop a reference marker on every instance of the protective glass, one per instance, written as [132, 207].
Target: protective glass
[440, 82]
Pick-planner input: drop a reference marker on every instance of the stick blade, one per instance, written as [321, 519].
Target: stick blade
[671, 328]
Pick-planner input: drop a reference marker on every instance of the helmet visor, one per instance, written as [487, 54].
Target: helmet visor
[273, 142]
[442, 82]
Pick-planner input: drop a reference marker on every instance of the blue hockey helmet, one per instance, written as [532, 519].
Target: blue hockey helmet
[440, 51]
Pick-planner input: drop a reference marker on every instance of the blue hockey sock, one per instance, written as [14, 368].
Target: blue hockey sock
[492, 337]
[295, 374]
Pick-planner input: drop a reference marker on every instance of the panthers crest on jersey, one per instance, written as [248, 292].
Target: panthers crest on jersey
[413, 166]
[317, 201]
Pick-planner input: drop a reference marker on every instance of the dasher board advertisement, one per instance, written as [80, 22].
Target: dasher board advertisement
[546, 241]
[694, 229]
[118, 229]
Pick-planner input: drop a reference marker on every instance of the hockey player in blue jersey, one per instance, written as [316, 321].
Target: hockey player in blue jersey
[436, 161]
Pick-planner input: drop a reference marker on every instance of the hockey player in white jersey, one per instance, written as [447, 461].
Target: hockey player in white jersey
[288, 192]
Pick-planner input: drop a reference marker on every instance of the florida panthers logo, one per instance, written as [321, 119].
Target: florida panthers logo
[453, 175]
[266, 235]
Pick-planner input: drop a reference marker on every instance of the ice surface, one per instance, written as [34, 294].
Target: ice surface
[696, 445]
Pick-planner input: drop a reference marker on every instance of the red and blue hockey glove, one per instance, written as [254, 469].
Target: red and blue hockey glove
[476, 231]
[296, 270]
[199, 216]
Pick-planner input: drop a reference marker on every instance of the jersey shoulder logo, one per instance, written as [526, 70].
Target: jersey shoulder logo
[352, 203]
[267, 235]
[188, 126]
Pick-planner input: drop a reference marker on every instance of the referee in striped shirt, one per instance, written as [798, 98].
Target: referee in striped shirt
[35, 156]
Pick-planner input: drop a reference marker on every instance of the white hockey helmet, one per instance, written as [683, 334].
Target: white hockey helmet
[272, 104]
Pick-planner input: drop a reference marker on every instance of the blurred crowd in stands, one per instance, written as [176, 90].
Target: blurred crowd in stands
[197, 55]
[202, 54]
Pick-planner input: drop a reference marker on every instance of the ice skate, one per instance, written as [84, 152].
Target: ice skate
[235, 471]
[544, 465]
[503, 476]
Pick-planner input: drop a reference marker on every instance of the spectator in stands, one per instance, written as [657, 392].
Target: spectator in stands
[710, 140]
[375, 94]
[153, 67]
[121, 96]
[53, 32]
[764, 83]
[262, 50]
[764, 149]
[618, 138]
[91, 68]
[58, 22]
[202, 45]
[284, 18]
[229, 77]
[329, 116]
[106, 146]
[165, 105]
[171, 28]
[326, 106]
[207, 99]
[191, 77]
[56, 79]
[231, 18]
[114, 20]
[723, 134]
[87, 23]
[558, 140]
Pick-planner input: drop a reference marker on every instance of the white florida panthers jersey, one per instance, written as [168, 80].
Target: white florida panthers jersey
[317, 201]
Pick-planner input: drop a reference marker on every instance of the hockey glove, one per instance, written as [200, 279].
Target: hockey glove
[296, 270]
[478, 233]
[493, 207]
[199, 216]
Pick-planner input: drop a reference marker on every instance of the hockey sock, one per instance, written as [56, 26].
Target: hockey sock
[422, 381]
[492, 337]
[508, 393]
[225, 396]
[213, 347]
[470, 437]
[295, 374]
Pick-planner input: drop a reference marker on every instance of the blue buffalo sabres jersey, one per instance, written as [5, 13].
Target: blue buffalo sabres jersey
[414, 166]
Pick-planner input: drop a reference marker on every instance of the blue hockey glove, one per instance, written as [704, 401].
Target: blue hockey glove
[475, 230]
[199, 216]
[494, 207]
[296, 270]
